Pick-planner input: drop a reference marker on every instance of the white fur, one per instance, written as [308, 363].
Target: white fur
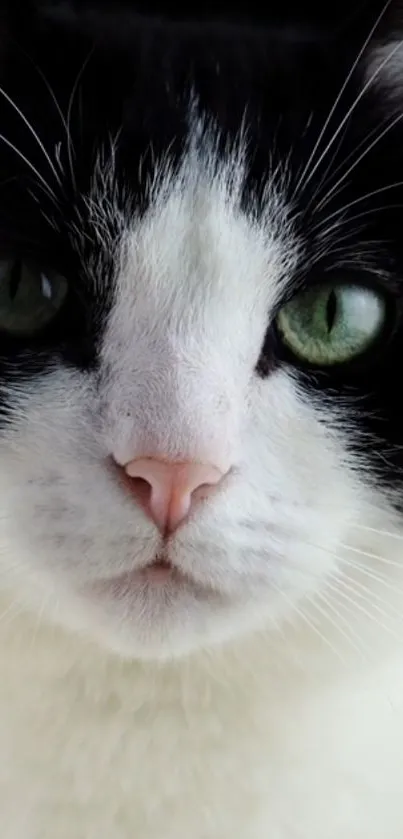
[384, 70]
[263, 698]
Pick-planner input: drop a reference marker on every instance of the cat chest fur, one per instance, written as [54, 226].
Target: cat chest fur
[200, 749]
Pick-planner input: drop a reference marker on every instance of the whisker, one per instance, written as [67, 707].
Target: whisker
[370, 555]
[380, 209]
[348, 206]
[367, 595]
[367, 572]
[363, 569]
[33, 132]
[346, 248]
[39, 620]
[12, 611]
[353, 226]
[358, 160]
[337, 100]
[357, 551]
[46, 186]
[8, 180]
[296, 609]
[354, 151]
[352, 155]
[389, 533]
[358, 606]
[324, 179]
[334, 621]
[70, 146]
[47, 84]
[59, 110]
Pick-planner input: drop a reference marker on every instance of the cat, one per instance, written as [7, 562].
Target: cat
[201, 428]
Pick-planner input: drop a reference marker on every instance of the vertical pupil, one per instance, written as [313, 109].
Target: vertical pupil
[331, 309]
[15, 278]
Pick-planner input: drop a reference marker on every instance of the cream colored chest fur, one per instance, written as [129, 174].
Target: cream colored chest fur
[218, 748]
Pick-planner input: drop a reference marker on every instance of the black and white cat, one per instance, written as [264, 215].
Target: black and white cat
[201, 425]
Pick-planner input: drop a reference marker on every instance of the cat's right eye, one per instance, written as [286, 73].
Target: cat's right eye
[29, 297]
[333, 323]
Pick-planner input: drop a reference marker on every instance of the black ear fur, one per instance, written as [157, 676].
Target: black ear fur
[333, 19]
[19, 19]
[340, 15]
[23, 13]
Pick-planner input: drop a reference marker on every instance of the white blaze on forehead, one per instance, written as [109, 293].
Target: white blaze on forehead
[197, 283]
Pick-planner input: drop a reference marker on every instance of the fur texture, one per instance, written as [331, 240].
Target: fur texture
[188, 178]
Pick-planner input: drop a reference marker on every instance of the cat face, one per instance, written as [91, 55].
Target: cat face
[201, 262]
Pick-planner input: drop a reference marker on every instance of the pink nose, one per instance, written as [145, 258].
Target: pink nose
[167, 492]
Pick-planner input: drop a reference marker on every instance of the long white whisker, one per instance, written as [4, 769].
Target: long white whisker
[10, 611]
[39, 619]
[362, 609]
[345, 120]
[367, 572]
[324, 178]
[351, 156]
[358, 551]
[358, 160]
[47, 85]
[31, 166]
[336, 102]
[349, 251]
[389, 533]
[370, 555]
[308, 622]
[53, 97]
[361, 567]
[33, 132]
[367, 195]
[343, 222]
[334, 621]
[367, 595]
[356, 149]
[381, 209]
[70, 147]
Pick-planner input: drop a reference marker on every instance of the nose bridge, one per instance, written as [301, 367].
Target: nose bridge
[175, 408]
[193, 415]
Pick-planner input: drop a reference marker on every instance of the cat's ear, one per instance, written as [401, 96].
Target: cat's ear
[384, 71]
[383, 64]
[18, 12]
[20, 18]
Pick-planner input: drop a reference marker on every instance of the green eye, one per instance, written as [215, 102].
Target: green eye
[29, 298]
[332, 324]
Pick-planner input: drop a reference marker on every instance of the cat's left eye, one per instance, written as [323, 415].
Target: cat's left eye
[29, 297]
[332, 324]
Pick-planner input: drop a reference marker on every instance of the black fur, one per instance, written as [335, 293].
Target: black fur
[127, 70]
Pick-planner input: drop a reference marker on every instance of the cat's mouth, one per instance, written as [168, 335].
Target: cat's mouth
[159, 573]
[159, 570]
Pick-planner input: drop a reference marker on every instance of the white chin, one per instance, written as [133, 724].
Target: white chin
[153, 613]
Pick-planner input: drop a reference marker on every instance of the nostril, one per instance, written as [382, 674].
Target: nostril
[141, 489]
[203, 492]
